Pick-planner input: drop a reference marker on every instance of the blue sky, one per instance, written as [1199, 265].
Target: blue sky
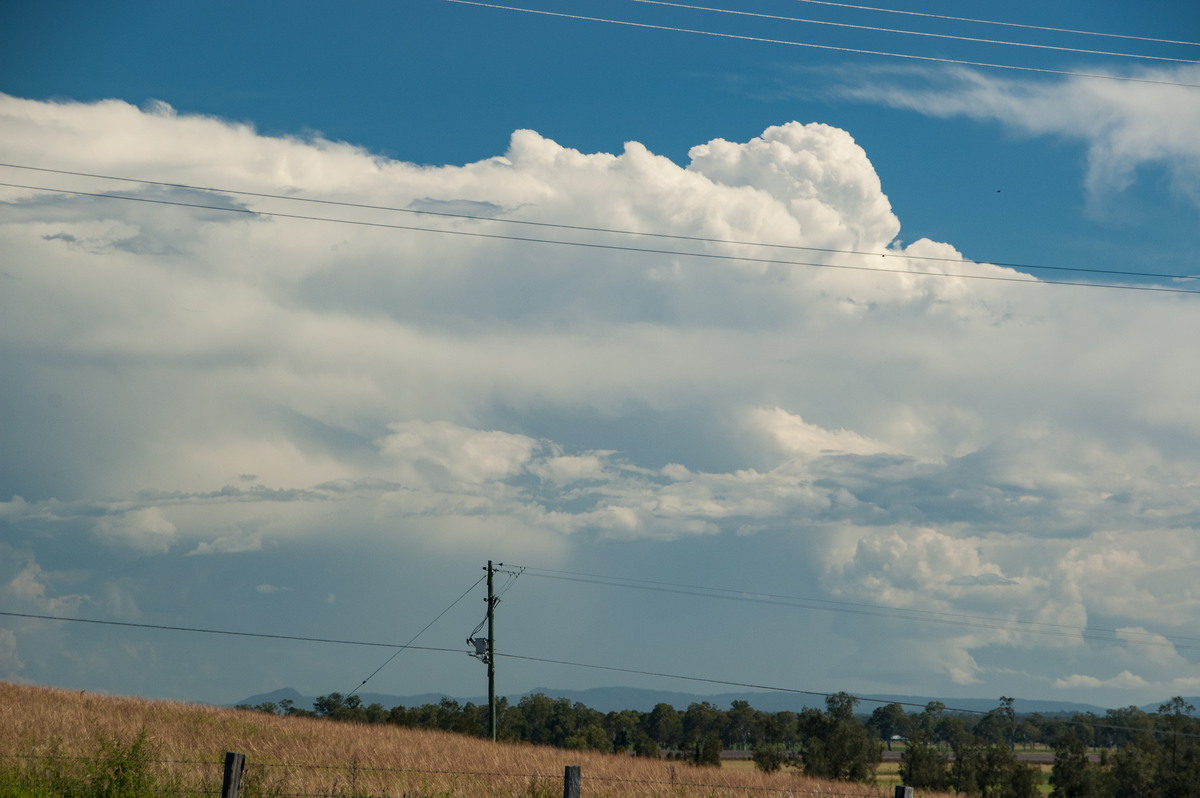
[260, 423]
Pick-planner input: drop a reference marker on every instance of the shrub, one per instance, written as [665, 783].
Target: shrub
[768, 758]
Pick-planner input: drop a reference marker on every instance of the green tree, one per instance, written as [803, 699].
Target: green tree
[1179, 756]
[538, 719]
[1029, 731]
[777, 729]
[645, 745]
[1000, 724]
[741, 725]
[1086, 725]
[707, 750]
[1073, 774]
[623, 728]
[768, 757]
[888, 721]
[335, 706]
[836, 745]
[1124, 726]
[376, 713]
[990, 769]
[700, 720]
[1134, 769]
[923, 766]
[937, 727]
[665, 726]
[587, 734]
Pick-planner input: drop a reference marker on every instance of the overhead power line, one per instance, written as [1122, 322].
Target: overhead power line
[524, 657]
[828, 47]
[596, 229]
[927, 34]
[797, 691]
[995, 22]
[879, 610]
[226, 632]
[1026, 280]
[413, 639]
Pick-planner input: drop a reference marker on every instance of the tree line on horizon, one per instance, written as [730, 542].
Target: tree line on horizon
[1125, 752]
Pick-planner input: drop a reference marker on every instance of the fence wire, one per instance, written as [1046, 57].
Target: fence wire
[357, 768]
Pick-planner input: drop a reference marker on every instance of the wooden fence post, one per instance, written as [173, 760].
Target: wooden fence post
[571, 781]
[904, 792]
[235, 764]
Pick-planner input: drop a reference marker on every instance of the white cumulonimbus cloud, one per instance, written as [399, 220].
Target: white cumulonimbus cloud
[218, 380]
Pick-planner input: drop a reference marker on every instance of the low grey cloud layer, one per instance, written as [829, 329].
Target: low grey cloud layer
[206, 384]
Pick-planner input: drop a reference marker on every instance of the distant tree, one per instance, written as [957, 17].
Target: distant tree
[707, 751]
[1179, 757]
[939, 727]
[987, 765]
[1172, 725]
[999, 725]
[1124, 726]
[645, 745]
[990, 769]
[1073, 775]
[446, 714]
[768, 757]
[888, 721]
[530, 718]
[1085, 725]
[922, 765]
[542, 720]
[623, 728]
[665, 726]
[836, 745]
[335, 706]
[1134, 769]
[741, 724]
[789, 728]
[700, 720]
[774, 729]
[953, 729]
[375, 713]
[473, 719]
[326, 705]
[588, 735]
[1029, 730]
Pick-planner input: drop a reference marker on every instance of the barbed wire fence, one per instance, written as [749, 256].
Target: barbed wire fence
[237, 777]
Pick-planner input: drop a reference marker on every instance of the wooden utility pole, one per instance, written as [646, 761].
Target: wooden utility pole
[491, 657]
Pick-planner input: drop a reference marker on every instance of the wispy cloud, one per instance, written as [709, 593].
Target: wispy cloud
[1124, 125]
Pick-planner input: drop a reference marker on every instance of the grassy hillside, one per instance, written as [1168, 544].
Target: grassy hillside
[87, 739]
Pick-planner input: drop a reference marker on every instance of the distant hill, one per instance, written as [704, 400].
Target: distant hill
[389, 701]
[614, 699]
[1194, 701]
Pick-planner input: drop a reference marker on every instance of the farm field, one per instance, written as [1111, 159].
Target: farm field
[177, 748]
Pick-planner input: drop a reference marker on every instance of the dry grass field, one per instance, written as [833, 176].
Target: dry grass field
[43, 729]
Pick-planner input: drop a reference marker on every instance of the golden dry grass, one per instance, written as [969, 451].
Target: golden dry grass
[306, 756]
